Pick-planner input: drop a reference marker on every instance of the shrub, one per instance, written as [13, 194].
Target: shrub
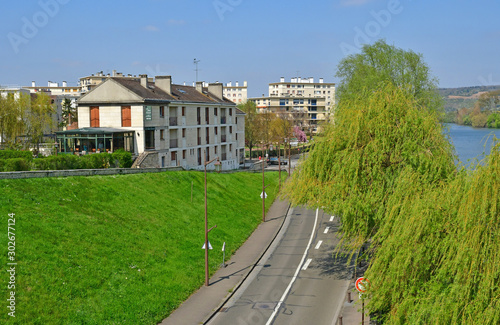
[16, 164]
[8, 154]
[121, 159]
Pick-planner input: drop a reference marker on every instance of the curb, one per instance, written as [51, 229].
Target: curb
[238, 285]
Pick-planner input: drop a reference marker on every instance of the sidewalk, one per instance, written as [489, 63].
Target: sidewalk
[205, 302]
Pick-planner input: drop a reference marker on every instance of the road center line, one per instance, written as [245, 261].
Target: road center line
[307, 264]
[282, 299]
[326, 230]
[318, 244]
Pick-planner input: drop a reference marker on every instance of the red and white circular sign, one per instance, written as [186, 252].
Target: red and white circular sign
[362, 285]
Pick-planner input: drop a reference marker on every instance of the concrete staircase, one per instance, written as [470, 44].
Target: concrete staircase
[147, 159]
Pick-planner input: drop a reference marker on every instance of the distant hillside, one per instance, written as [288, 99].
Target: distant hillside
[457, 98]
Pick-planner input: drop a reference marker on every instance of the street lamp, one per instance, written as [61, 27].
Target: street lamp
[217, 166]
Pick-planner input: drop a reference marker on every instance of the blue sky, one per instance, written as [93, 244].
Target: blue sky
[235, 40]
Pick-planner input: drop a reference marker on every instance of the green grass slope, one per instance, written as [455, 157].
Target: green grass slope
[119, 249]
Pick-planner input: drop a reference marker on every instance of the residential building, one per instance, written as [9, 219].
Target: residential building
[54, 89]
[236, 93]
[179, 125]
[309, 102]
[90, 82]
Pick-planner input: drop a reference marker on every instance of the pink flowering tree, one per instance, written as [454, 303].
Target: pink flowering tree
[299, 134]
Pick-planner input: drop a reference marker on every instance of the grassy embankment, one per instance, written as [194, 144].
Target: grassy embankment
[120, 249]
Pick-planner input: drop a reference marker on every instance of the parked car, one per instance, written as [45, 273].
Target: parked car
[274, 161]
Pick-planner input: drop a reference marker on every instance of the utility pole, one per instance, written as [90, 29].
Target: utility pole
[196, 68]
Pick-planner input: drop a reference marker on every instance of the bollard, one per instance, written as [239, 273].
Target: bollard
[340, 320]
[349, 300]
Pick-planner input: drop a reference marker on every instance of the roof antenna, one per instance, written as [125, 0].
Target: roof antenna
[196, 68]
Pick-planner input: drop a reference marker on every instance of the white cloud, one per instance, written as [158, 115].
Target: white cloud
[351, 3]
[150, 28]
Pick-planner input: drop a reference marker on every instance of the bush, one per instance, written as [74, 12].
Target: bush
[121, 159]
[8, 154]
[16, 164]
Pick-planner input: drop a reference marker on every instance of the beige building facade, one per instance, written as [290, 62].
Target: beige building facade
[308, 101]
[236, 93]
[183, 124]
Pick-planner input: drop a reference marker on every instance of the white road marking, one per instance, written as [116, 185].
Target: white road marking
[331, 218]
[318, 244]
[282, 299]
[307, 264]
[326, 230]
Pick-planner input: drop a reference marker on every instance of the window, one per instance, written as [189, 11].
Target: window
[161, 135]
[198, 115]
[215, 130]
[230, 112]
[183, 133]
[162, 111]
[230, 129]
[173, 156]
[215, 111]
[184, 154]
[126, 116]
[94, 116]
[215, 148]
[183, 111]
[207, 115]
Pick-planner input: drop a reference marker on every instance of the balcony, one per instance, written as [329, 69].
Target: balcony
[223, 138]
[172, 121]
[222, 120]
[174, 143]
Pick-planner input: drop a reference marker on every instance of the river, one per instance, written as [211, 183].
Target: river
[471, 142]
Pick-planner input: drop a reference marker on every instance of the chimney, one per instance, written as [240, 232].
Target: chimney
[229, 84]
[33, 84]
[164, 83]
[199, 86]
[114, 73]
[144, 80]
[216, 89]
[311, 79]
[65, 84]
[282, 79]
[320, 80]
[244, 84]
[237, 84]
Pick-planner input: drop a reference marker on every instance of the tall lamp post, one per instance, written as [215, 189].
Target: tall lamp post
[217, 168]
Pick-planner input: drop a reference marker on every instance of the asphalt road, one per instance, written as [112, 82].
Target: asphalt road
[298, 282]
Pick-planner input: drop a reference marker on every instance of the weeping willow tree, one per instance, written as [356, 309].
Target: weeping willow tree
[438, 251]
[352, 170]
[386, 169]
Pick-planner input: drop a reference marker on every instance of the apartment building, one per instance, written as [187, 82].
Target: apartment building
[236, 93]
[308, 101]
[182, 125]
[90, 82]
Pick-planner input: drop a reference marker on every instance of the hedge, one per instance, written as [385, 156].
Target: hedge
[118, 159]
[14, 165]
[8, 154]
